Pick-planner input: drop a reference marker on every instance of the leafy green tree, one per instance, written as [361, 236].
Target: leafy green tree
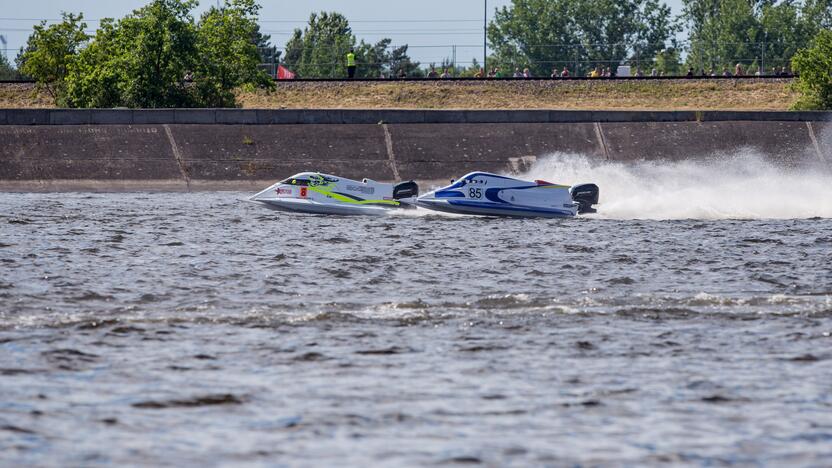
[814, 68]
[228, 55]
[725, 32]
[547, 34]
[99, 74]
[51, 51]
[140, 60]
[668, 62]
[373, 60]
[320, 51]
[158, 56]
[400, 61]
[722, 32]
[537, 32]
[268, 53]
[654, 27]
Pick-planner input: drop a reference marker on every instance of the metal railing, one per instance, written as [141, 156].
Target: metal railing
[581, 59]
[755, 55]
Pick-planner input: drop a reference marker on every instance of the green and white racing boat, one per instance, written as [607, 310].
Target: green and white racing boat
[313, 192]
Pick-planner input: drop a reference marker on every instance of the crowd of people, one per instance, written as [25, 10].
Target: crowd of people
[597, 72]
[607, 72]
[738, 71]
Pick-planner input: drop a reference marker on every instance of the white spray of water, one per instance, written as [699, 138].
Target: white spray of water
[739, 186]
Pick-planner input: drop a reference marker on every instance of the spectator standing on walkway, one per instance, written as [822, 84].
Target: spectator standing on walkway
[527, 73]
[596, 73]
[654, 72]
[690, 73]
[738, 70]
[445, 74]
[555, 73]
[351, 63]
[726, 72]
[432, 73]
[480, 74]
[564, 73]
[402, 74]
[517, 73]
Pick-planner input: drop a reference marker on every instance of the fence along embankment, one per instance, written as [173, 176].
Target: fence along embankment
[244, 149]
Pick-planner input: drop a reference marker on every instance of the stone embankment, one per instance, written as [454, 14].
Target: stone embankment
[53, 149]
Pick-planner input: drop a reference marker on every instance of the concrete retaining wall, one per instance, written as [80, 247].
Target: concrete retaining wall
[243, 149]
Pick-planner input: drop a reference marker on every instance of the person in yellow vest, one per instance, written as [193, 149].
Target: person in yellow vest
[351, 64]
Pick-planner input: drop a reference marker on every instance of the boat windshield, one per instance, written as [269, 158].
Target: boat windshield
[296, 181]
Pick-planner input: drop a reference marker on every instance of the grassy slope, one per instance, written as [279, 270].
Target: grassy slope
[654, 95]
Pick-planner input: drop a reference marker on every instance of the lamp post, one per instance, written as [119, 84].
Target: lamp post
[484, 35]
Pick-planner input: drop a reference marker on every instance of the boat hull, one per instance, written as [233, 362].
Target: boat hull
[491, 209]
[313, 207]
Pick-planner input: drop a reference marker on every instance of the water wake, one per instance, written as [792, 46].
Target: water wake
[740, 186]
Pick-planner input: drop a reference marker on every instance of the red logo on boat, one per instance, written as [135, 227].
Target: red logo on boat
[303, 192]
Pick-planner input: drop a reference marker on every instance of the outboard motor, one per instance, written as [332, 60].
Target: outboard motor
[407, 189]
[585, 195]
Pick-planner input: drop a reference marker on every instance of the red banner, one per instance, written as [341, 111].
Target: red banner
[284, 73]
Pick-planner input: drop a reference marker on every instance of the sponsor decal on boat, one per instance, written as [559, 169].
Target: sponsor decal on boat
[358, 188]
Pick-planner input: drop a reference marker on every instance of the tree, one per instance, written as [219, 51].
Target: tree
[668, 62]
[725, 32]
[814, 68]
[470, 71]
[654, 27]
[547, 34]
[373, 60]
[320, 51]
[50, 52]
[140, 60]
[722, 32]
[400, 61]
[6, 70]
[99, 74]
[540, 33]
[228, 55]
[158, 56]
[268, 53]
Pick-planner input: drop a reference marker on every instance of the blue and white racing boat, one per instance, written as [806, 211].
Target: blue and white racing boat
[482, 193]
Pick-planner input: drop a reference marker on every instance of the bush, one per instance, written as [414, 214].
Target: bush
[813, 66]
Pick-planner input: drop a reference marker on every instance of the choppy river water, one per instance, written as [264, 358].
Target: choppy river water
[172, 329]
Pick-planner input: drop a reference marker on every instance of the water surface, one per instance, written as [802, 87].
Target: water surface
[172, 329]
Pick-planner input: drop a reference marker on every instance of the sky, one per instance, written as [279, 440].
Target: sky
[430, 27]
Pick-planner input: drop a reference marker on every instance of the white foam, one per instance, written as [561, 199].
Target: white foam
[738, 186]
